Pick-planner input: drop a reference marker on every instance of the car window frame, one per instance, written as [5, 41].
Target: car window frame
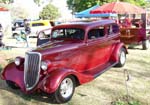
[69, 28]
[99, 38]
[112, 34]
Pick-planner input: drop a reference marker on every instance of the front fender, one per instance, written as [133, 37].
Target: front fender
[14, 74]
[116, 51]
[52, 81]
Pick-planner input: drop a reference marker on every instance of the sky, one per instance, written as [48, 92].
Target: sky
[60, 4]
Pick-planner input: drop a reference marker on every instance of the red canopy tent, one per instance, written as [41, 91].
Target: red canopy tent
[118, 7]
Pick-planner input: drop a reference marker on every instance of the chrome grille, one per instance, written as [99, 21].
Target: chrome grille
[32, 69]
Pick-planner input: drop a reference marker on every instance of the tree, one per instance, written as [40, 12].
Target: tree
[18, 12]
[80, 5]
[49, 12]
[6, 1]
[40, 2]
[37, 2]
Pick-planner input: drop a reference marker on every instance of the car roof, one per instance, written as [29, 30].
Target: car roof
[85, 24]
[39, 21]
[44, 22]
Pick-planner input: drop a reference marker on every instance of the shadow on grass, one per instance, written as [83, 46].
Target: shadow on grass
[142, 72]
[135, 48]
[39, 97]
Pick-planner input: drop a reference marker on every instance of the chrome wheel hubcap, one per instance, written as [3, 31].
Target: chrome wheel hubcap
[122, 57]
[66, 88]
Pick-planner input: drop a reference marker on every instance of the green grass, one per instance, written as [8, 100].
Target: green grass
[126, 100]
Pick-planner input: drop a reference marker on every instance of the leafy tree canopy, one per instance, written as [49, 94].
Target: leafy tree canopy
[50, 12]
[6, 1]
[37, 2]
[40, 2]
[80, 5]
[18, 12]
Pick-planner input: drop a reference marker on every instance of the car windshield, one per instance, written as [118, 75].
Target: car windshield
[68, 33]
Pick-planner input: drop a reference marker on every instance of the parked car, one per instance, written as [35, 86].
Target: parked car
[17, 27]
[17, 24]
[74, 54]
[36, 26]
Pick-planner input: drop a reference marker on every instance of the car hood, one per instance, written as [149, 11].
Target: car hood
[57, 46]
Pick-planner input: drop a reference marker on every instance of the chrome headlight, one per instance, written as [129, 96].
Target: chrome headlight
[17, 61]
[45, 65]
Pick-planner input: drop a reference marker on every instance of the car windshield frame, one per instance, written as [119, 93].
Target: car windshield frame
[68, 34]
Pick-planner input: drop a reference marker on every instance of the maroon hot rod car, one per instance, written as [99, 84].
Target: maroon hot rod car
[72, 55]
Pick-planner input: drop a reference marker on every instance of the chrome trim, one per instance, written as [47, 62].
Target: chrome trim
[26, 69]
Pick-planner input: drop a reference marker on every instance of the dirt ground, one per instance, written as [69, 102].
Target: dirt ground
[104, 90]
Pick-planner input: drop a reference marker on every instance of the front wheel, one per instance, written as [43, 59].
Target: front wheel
[66, 89]
[122, 58]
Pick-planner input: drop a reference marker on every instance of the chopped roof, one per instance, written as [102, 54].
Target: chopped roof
[84, 24]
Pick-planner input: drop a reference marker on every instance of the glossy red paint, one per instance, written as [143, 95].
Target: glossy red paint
[83, 59]
[14, 73]
[51, 82]
[116, 52]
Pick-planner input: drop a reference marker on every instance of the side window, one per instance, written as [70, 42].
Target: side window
[77, 34]
[70, 33]
[43, 37]
[58, 34]
[37, 24]
[96, 32]
[112, 29]
[44, 34]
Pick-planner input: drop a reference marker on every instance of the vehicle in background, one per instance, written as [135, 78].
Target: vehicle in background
[17, 27]
[136, 34]
[17, 24]
[36, 26]
[39, 25]
[73, 54]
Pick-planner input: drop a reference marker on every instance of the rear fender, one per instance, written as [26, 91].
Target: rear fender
[116, 51]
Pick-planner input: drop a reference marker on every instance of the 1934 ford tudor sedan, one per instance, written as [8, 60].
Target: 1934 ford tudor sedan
[74, 54]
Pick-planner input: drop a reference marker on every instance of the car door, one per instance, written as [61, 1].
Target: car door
[113, 33]
[97, 48]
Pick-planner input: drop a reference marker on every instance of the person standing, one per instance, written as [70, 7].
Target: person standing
[27, 31]
[127, 22]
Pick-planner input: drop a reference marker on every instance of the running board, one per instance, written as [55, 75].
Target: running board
[99, 70]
